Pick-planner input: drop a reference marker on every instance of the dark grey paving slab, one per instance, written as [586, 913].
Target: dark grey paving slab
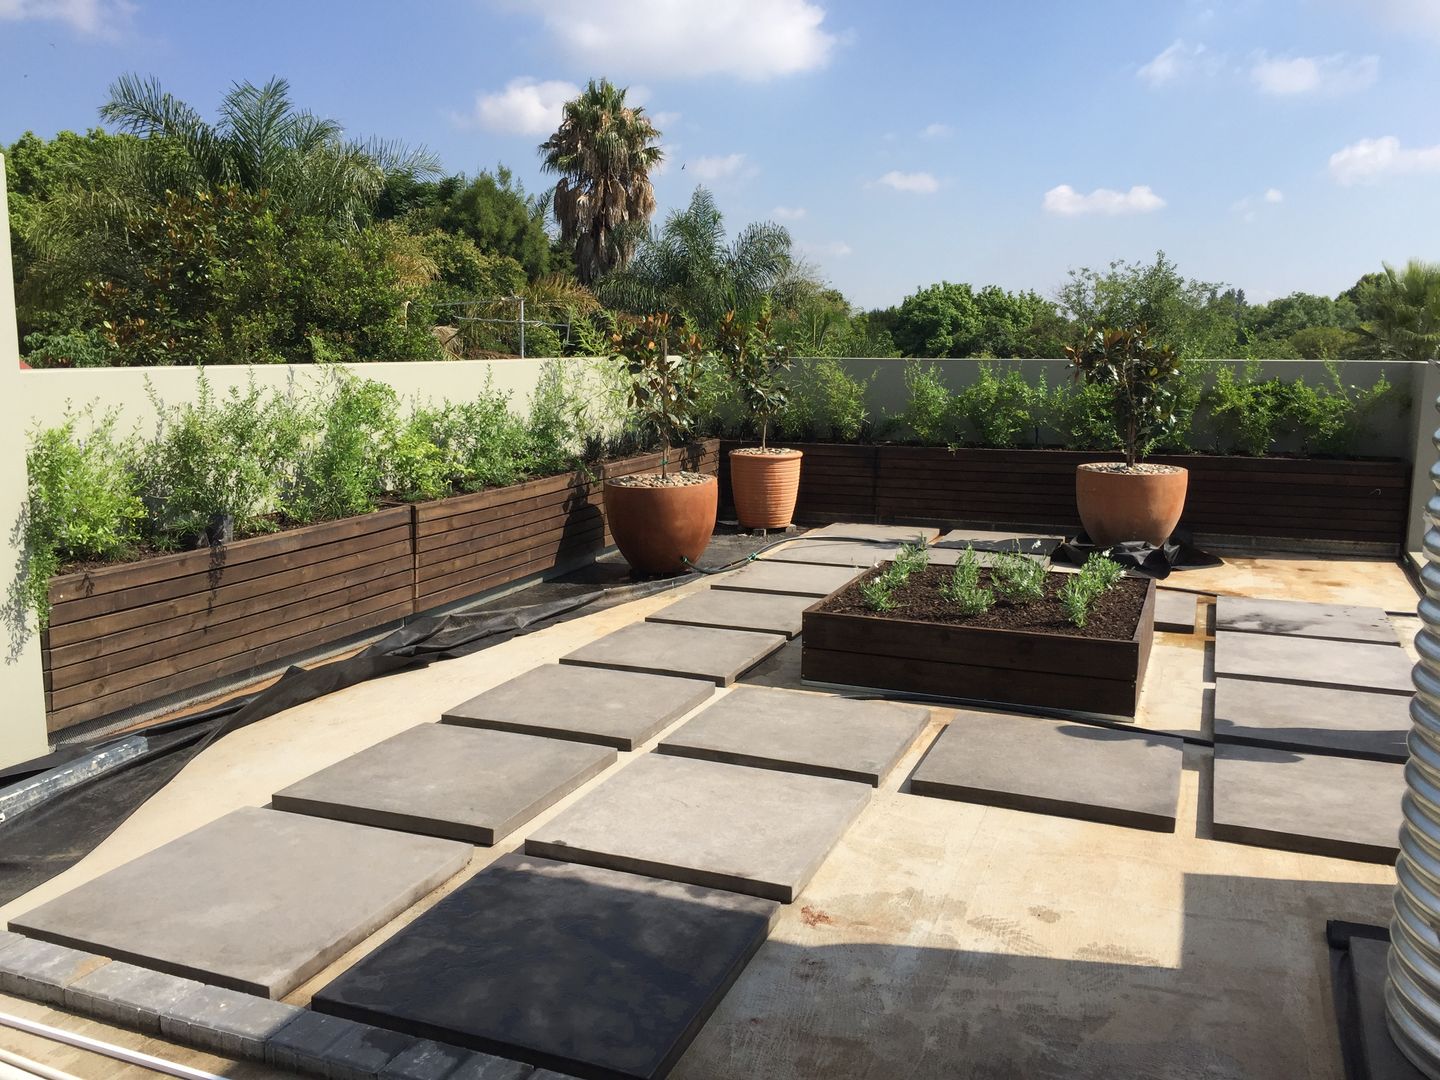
[463, 783]
[855, 554]
[1346, 664]
[574, 968]
[1321, 804]
[1294, 716]
[587, 704]
[227, 1021]
[765, 613]
[1381, 1058]
[1055, 767]
[721, 826]
[1175, 611]
[790, 579]
[815, 734]
[692, 652]
[256, 901]
[1297, 618]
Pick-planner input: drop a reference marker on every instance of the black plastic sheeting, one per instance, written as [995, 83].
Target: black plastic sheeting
[1177, 553]
[43, 842]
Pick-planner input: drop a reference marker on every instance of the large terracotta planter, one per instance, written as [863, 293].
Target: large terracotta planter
[662, 530]
[765, 487]
[1116, 506]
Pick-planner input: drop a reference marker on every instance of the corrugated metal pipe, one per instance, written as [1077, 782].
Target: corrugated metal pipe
[1412, 991]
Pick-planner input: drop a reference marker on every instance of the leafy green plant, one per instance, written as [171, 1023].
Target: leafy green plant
[1016, 579]
[68, 349]
[929, 414]
[1001, 410]
[878, 594]
[910, 559]
[1097, 577]
[662, 386]
[1083, 415]
[1332, 419]
[82, 503]
[342, 472]
[756, 363]
[1139, 374]
[964, 589]
[825, 402]
[1248, 411]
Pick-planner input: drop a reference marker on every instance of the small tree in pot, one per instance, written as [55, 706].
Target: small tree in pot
[1134, 500]
[765, 480]
[662, 522]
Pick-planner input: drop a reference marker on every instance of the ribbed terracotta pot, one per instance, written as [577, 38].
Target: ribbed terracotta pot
[658, 529]
[1119, 506]
[765, 487]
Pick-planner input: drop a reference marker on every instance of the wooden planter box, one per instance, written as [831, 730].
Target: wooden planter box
[123, 636]
[1289, 498]
[1051, 671]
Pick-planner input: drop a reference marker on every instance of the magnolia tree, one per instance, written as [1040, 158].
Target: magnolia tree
[663, 384]
[1141, 377]
[757, 363]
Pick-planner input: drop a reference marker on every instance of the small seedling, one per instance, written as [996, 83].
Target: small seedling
[1017, 579]
[910, 559]
[876, 593]
[964, 589]
[1098, 576]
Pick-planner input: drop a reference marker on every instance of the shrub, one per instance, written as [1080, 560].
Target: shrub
[1016, 579]
[1331, 419]
[82, 503]
[826, 403]
[755, 361]
[342, 471]
[929, 413]
[964, 589]
[1081, 412]
[68, 349]
[1140, 375]
[1001, 411]
[877, 594]
[1248, 411]
[1098, 576]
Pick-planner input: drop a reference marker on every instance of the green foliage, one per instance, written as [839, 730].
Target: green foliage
[1403, 314]
[756, 364]
[1251, 412]
[878, 594]
[1097, 577]
[954, 320]
[663, 387]
[82, 503]
[1140, 375]
[1083, 413]
[1324, 342]
[1001, 410]
[909, 559]
[483, 443]
[342, 471]
[825, 402]
[495, 214]
[964, 589]
[68, 349]
[929, 413]
[1016, 579]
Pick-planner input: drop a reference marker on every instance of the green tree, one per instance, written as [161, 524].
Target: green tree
[1404, 320]
[955, 320]
[603, 153]
[491, 210]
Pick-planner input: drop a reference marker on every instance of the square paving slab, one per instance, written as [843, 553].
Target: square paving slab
[766, 613]
[574, 968]
[1346, 664]
[692, 652]
[1055, 767]
[1036, 545]
[856, 554]
[1297, 618]
[722, 826]
[257, 900]
[892, 534]
[789, 579]
[814, 734]
[1316, 803]
[586, 704]
[1293, 716]
[1176, 612]
[463, 783]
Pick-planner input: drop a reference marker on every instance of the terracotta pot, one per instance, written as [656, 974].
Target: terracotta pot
[1120, 506]
[658, 528]
[765, 487]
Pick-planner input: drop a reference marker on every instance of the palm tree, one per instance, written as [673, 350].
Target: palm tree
[261, 144]
[687, 268]
[1404, 321]
[603, 153]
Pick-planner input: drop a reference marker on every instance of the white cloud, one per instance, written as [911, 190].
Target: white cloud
[1274, 195]
[936, 131]
[919, 183]
[1407, 16]
[1370, 159]
[1289, 76]
[1248, 207]
[752, 39]
[100, 18]
[722, 167]
[525, 106]
[835, 249]
[788, 213]
[663, 119]
[1068, 202]
[1177, 61]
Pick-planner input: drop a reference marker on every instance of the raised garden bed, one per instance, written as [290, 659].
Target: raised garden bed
[1016, 655]
[1291, 498]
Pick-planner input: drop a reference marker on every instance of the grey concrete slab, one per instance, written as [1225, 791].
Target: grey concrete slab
[891, 534]
[815, 734]
[256, 901]
[855, 554]
[789, 579]
[692, 652]
[587, 704]
[573, 968]
[1322, 804]
[1036, 545]
[462, 783]
[1055, 767]
[705, 823]
[765, 613]
[1298, 618]
[1346, 664]
[1294, 716]
[1176, 611]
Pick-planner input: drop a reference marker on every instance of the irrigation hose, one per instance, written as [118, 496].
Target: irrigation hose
[110, 1050]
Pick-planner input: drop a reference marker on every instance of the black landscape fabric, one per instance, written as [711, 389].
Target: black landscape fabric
[1177, 553]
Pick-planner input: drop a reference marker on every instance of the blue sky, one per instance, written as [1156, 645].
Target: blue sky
[1273, 144]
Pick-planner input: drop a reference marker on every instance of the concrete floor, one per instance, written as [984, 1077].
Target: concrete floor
[939, 939]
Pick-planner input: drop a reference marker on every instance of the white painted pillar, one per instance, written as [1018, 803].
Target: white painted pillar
[22, 691]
